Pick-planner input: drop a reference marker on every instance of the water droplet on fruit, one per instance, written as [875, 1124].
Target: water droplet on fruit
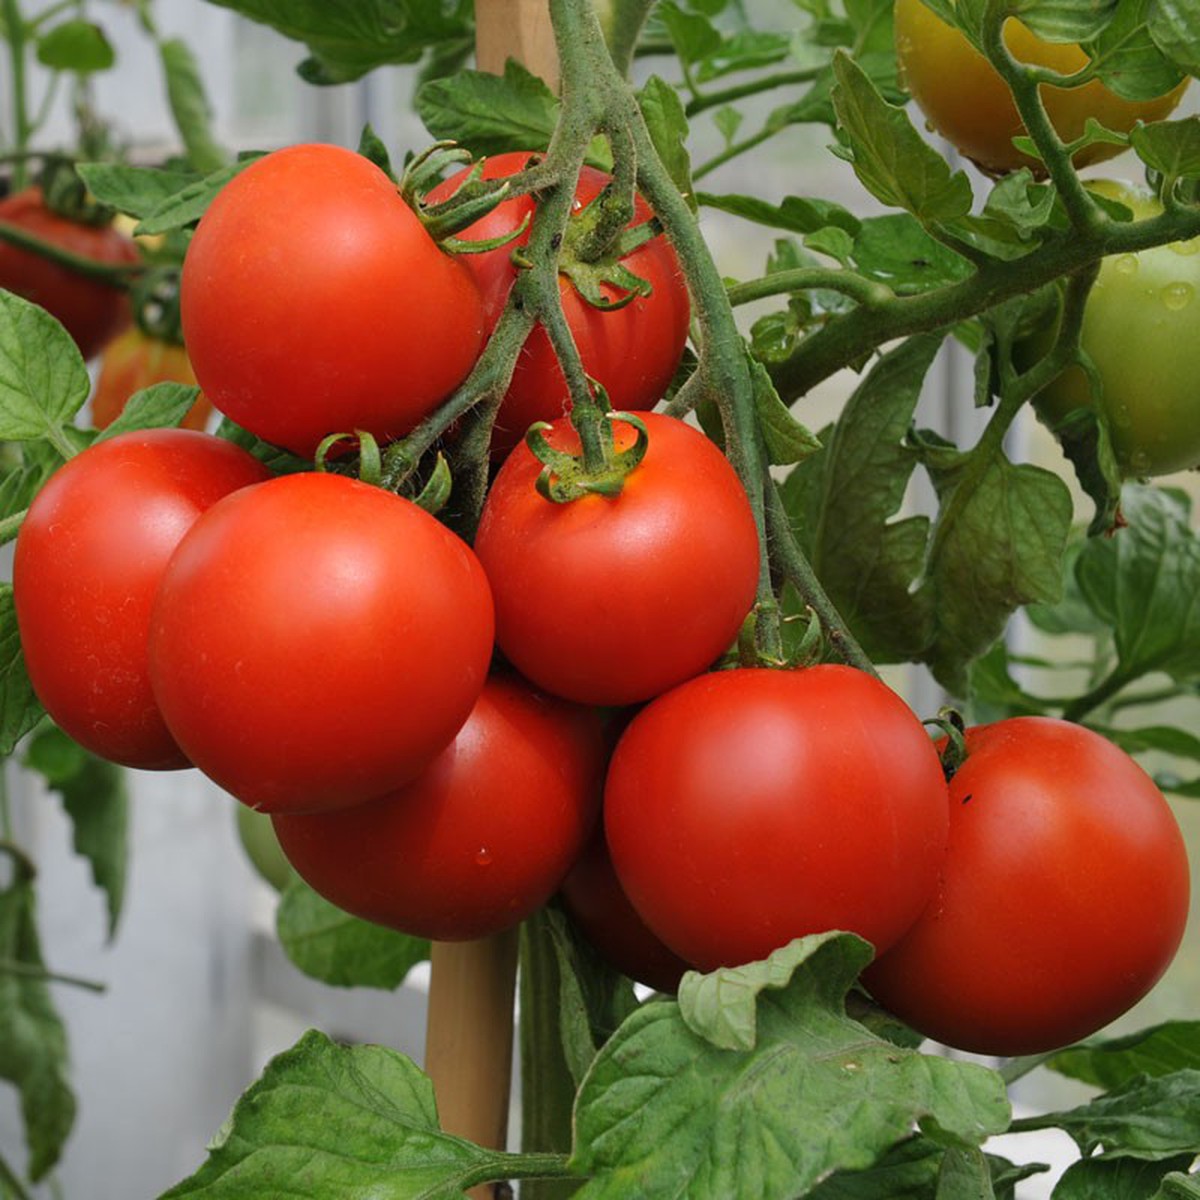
[1122, 416]
[1185, 249]
[483, 856]
[1177, 295]
[1139, 463]
[1126, 264]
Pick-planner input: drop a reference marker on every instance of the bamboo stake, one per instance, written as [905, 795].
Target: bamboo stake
[518, 29]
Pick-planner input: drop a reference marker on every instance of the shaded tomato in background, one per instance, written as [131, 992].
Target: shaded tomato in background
[135, 360]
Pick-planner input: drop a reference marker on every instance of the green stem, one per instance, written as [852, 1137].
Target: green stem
[22, 129]
[1102, 692]
[516, 1166]
[800, 279]
[15, 1187]
[765, 83]
[9, 966]
[622, 22]
[115, 274]
[734, 149]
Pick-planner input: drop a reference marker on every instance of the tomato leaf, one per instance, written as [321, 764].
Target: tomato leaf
[842, 502]
[891, 159]
[663, 1109]
[1120, 1178]
[1169, 147]
[1066, 20]
[1143, 582]
[1144, 1118]
[797, 214]
[331, 1122]
[787, 440]
[188, 204]
[896, 250]
[1114, 1062]
[1126, 58]
[76, 45]
[137, 191]
[330, 945]
[1179, 1187]
[1175, 27]
[161, 405]
[20, 709]
[490, 114]
[43, 380]
[33, 1040]
[668, 127]
[96, 798]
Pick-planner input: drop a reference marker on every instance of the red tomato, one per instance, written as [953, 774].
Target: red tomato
[594, 900]
[749, 807]
[1063, 896]
[314, 302]
[632, 351]
[133, 361]
[91, 311]
[89, 557]
[479, 840]
[613, 599]
[316, 642]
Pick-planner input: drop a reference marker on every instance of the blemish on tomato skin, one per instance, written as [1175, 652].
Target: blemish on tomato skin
[967, 797]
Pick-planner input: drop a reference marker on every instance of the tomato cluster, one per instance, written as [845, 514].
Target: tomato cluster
[446, 735]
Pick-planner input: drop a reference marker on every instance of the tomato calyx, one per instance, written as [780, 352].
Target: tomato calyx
[475, 198]
[371, 468]
[566, 477]
[953, 752]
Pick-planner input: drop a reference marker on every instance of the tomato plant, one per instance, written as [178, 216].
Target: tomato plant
[591, 596]
[93, 311]
[1062, 899]
[317, 642]
[968, 102]
[1138, 333]
[347, 316]
[135, 360]
[257, 837]
[89, 558]
[631, 351]
[749, 807]
[480, 839]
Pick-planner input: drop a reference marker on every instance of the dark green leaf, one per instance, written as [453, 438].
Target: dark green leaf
[1126, 58]
[964, 1175]
[668, 127]
[794, 213]
[1117, 1179]
[892, 160]
[76, 45]
[1170, 147]
[43, 380]
[693, 35]
[1144, 581]
[666, 1112]
[1163, 739]
[20, 709]
[1175, 27]
[188, 205]
[332, 1122]
[787, 441]
[160, 406]
[96, 798]
[895, 249]
[190, 108]
[1114, 1062]
[490, 114]
[994, 693]
[1065, 20]
[1179, 1187]
[138, 191]
[908, 1171]
[842, 502]
[330, 945]
[33, 1041]
[1145, 1118]
[748, 50]
[277, 460]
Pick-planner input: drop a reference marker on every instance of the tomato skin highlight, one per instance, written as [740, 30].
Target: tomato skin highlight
[318, 641]
[133, 361]
[313, 302]
[88, 561]
[632, 352]
[967, 101]
[1063, 897]
[749, 807]
[611, 600]
[91, 311]
[480, 839]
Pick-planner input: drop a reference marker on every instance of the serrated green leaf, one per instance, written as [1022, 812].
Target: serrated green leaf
[188, 205]
[1126, 59]
[330, 945]
[867, 561]
[190, 107]
[95, 796]
[1170, 147]
[138, 191]
[332, 1122]
[33, 1040]
[665, 1112]
[1144, 582]
[1115, 1061]
[162, 405]
[891, 159]
[1117, 1179]
[964, 1175]
[20, 709]
[786, 439]
[907, 1171]
[692, 34]
[490, 114]
[76, 45]
[794, 213]
[667, 124]
[1175, 27]
[43, 380]
[1065, 20]
[896, 250]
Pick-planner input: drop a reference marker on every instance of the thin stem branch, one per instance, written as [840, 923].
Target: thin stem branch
[10, 966]
[802, 279]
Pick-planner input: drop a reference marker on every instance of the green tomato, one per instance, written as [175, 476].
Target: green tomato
[258, 839]
[1141, 329]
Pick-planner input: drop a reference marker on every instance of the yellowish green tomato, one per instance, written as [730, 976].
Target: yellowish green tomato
[1141, 329]
[968, 103]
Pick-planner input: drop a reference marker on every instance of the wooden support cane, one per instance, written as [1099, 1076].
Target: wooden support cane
[469, 1027]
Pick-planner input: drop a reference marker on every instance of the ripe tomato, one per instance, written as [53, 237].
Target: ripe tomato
[313, 302]
[613, 599]
[91, 311]
[88, 561]
[749, 807]
[133, 361]
[969, 104]
[1062, 899]
[593, 898]
[480, 839]
[632, 351]
[1139, 331]
[317, 641]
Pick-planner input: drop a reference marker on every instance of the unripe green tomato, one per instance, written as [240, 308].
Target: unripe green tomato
[1141, 329]
[258, 839]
